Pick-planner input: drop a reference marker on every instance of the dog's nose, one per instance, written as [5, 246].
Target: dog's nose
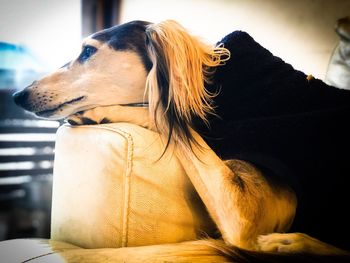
[21, 97]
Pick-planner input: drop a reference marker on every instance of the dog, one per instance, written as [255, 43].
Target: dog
[155, 75]
[338, 72]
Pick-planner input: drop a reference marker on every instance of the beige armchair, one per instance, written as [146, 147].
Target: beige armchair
[111, 190]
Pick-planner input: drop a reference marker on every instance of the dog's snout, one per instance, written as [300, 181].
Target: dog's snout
[21, 98]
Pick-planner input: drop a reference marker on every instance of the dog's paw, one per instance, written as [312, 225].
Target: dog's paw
[276, 242]
[296, 243]
[88, 117]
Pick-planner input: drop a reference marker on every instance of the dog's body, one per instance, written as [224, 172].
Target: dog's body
[161, 66]
[338, 72]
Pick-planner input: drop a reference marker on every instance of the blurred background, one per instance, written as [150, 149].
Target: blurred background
[38, 36]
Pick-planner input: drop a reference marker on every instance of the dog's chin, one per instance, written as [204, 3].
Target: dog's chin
[47, 115]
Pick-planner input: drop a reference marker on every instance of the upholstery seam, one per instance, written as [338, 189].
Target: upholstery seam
[129, 155]
[40, 256]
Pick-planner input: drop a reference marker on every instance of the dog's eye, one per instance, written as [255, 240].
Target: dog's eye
[87, 52]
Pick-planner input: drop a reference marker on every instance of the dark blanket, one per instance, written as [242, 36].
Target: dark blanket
[296, 131]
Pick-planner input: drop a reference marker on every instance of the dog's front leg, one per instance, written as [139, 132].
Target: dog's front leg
[241, 201]
[112, 114]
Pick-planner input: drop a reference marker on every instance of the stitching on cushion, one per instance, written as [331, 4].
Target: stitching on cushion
[43, 255]
[128, 170]
[126, 210]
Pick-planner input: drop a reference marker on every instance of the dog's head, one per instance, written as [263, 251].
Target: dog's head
[137, 62]
[111, 69]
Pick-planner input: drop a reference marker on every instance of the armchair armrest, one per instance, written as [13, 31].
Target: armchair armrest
[111, 190]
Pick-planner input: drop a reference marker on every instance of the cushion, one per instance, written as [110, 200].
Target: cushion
[110, 189]
[34, 250]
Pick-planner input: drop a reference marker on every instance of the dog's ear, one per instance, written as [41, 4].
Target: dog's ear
[181, 66]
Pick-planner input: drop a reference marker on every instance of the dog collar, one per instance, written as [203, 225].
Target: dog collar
[137, 104]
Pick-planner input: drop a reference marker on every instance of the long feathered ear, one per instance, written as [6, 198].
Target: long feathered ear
[182, 64]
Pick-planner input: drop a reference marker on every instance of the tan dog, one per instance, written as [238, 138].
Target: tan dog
[133, 73]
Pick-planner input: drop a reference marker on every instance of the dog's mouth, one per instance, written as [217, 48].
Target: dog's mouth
[50, 112]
